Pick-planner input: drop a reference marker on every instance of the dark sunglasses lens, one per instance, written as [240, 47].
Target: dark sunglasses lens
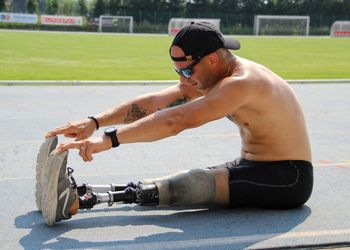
[186, 73]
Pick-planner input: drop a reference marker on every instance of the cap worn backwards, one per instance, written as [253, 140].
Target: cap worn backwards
[200, 39]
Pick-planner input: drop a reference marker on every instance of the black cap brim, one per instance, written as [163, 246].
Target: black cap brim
[231, 43]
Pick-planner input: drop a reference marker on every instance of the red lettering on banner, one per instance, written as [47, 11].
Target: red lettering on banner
[59, 20]
[342, 33]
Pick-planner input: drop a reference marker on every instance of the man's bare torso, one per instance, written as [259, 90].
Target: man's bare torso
[272, 124]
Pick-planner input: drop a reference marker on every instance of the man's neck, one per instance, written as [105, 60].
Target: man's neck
[231, 65]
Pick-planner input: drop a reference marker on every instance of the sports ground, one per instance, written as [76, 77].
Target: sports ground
[27, 112]
[87, 56]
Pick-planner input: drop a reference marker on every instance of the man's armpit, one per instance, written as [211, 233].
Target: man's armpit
[179, 101]
[135, 113]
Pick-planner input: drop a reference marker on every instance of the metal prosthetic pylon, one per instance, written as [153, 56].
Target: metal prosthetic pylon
[141, 194]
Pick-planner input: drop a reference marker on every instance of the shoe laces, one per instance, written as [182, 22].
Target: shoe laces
[72, 180]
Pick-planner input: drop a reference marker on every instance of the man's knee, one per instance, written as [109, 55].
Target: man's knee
[186, 188]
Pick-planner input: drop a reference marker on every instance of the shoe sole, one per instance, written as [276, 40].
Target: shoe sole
[50, 198]
[41, 165]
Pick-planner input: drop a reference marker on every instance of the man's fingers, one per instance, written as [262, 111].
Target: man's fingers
[86, 148]
[49, 134]
[82, 153]
[85, 152]
[58, 131]
[66, 146]
[89, 152]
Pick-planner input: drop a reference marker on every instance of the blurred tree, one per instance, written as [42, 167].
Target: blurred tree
[115, 6]
[175, 5]
[250, 6]
[51, 7]
[225, 6]
[67, 8]
[32, 6]
[2, 5]
[268, 7]
[199, 6]
[83, 10]
[286, 7]
[141, 5]
[99, 8]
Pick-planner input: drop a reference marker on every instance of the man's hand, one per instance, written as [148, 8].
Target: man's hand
[86, 147]
[79, 130]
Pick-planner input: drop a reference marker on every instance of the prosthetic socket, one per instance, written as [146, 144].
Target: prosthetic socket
[186, 188]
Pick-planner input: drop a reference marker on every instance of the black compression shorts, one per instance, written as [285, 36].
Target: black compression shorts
[274, 185]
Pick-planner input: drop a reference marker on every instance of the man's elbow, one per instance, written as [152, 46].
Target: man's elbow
[176, 123]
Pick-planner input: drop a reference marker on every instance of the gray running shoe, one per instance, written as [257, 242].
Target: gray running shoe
[41, 166]
[60, 194]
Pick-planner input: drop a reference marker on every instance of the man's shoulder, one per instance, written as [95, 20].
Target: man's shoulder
[233, 91]
[235, 82]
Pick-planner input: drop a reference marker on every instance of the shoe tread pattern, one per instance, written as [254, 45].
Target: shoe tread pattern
[50, 192]
[41, 163]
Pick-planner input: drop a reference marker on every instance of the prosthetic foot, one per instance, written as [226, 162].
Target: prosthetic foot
[41, 168]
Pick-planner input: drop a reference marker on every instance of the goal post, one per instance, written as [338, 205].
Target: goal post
[176, 24]
[340, 29]
[281, 25]
[120, 24]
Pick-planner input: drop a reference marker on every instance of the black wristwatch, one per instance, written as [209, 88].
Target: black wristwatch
[111, 132]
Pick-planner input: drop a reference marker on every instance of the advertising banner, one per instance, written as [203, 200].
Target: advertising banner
[62, 20]
[18, 18]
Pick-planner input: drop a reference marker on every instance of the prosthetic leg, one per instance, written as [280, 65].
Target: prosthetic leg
[186, 188]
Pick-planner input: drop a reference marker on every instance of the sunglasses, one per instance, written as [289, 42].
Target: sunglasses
[188, 71]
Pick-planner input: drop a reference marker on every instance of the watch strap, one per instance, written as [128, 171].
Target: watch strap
[113, 135]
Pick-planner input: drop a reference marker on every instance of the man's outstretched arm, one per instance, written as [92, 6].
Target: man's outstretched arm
[129, 111]
[147, 104]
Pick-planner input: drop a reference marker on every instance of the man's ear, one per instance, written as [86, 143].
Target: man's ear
[213, 59]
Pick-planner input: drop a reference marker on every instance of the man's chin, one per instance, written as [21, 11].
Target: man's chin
[202, 87]
[205, 90]
[198, 86]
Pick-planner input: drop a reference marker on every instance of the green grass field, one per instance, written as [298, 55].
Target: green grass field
[63, 56]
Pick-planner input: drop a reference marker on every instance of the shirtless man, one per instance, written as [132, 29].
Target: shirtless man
[274, 169]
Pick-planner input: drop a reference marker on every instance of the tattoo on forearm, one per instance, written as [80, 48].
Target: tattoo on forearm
[136, 112]
[179, 101]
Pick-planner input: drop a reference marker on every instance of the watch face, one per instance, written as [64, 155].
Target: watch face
[110, 130]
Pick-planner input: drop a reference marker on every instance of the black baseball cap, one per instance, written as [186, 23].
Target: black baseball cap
[199, 39]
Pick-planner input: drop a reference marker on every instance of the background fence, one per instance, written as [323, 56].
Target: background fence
[157, 22]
